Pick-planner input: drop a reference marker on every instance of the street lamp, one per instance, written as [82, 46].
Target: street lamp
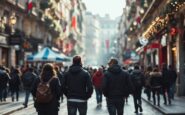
[12, 21]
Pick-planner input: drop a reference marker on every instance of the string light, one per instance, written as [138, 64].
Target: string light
[160, 23]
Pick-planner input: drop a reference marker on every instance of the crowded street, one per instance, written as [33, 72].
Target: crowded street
[92, 57]
[92, 109]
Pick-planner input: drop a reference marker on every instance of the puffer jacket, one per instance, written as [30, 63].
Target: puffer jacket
[77, 83]
[116, 83]
[156, 79]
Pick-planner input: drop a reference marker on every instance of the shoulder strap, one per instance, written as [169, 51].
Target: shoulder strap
[50, 80]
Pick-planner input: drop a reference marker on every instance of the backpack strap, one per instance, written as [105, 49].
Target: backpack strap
[50, 80]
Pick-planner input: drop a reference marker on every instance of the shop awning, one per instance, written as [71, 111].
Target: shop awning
[47, 54]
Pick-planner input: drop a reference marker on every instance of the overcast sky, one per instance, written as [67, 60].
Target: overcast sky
[112, 7]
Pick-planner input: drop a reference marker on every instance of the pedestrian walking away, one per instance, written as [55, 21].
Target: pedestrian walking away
[77, 87]
[156, 84]
[97, 82]
[60, 75]
[28, 79]
[116, 86]
[173, 77]
[14, 83]
[4, 79]
[166, 84]
[137, 78]
[147, 76]
[46, 91]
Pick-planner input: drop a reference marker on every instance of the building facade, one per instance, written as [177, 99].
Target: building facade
[27, 26]
[158, 32]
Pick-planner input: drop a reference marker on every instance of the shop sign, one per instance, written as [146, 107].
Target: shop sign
[3, 40]
[163, 40]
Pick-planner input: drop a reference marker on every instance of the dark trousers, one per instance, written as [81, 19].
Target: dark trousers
[98, 95]
[3, 94]
[17, 94]
[148, 93]
[156, 91]
[137, 99]
[166, 93]
[115, 106]
[72, 108]
[27, 95]
[48, 113]
[172, 91]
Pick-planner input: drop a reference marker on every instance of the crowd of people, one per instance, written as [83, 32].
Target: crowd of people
[115, 83]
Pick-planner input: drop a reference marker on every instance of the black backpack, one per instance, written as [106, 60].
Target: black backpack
[137, 79]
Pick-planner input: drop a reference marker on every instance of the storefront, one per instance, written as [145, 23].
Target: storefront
[4, 50]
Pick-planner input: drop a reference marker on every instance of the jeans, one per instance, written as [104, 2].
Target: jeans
[115, 106]
[17, 94]
[98, 95]
[3, 94]
[72, 108]
[137, 99]
[27, 94]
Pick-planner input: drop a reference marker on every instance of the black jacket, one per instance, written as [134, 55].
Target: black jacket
[172, 76]
[55, 89]
[28, 79]
[116, 83]
[137, 75]
[166, 78]
[77, 83]
[4, 79]
[156, 79]
[14, 82]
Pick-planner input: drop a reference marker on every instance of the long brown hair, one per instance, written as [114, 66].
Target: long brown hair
[48, 71]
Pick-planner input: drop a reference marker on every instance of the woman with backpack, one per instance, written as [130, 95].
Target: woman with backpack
[46, 91]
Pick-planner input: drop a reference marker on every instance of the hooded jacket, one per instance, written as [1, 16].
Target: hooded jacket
[4, 79]
[156, 79]
[77, 83]
[137, 75]
[116, 83]
[97, 79]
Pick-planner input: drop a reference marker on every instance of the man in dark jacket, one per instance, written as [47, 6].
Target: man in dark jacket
[77, 87]
[28, 80]
[137, 78]
[173, 77]
[116, 86]
[166, 83]
[4, 79]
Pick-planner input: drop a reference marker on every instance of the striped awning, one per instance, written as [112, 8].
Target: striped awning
[47, 54]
